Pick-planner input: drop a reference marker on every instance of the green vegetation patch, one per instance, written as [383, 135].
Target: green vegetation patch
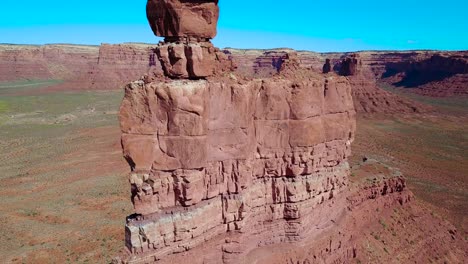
[3, 106]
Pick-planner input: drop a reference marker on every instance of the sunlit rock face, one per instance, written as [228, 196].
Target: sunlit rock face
[213, 158]
[225, 159]
[187, 26]
[183, 18]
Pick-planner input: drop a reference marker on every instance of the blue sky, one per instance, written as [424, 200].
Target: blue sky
[318, 25]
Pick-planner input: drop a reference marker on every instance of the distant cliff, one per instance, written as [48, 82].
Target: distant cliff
[80, 67]
[431, 73]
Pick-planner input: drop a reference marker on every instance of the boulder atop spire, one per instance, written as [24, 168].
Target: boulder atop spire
[183, 19]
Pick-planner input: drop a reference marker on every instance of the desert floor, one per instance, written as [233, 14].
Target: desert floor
[63, 186]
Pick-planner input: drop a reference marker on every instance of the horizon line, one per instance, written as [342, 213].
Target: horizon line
[233, 48]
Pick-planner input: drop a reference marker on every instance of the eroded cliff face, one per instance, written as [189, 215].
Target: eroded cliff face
[425, 72]
[45, 62]
[79, 67]
[234, 161]
[368, 97]
[428, 73]
[211, 158]
[433, 75]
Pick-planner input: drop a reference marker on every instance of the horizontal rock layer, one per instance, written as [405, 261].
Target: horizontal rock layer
[79, 67]
[329, 231]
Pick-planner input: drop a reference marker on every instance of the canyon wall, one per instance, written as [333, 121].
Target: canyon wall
[424, 72]
[79, 67]
[45, 62]
[430, 73]
[368, 97]
[436, 75]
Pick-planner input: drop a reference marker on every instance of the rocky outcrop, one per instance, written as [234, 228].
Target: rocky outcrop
[212, 158]
[349, 66]
[187, 27]
[344, 241]
[425, 72]
[455, 85]
[376, 189]
[327, 66]
[238, 162]
[269, 63]
[367, 96]
[369, 99]
[175, 19]
[431, 73]
[194, 60]
[437, 76]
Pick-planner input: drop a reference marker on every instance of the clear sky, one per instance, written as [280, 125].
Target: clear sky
[318, 25]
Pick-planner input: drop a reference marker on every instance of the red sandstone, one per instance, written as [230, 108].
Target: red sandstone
[223, 165]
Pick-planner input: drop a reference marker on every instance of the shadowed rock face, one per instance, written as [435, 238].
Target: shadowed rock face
[350, 65]
[183, 18]
[327, 66]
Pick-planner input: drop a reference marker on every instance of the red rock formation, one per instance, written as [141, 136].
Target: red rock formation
[213, 158]
[187, 27]
[223, 166]
[250, 161]
[350, 65]
[116, 64]
[269, 63]
[431, 73]
[455, 86]
[367, 96]
[175, 19]
[45, 62]
[79, 67]
[435, 76]
[112, 66]
[327, 66]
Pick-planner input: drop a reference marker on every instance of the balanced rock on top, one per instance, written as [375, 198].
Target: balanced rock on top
[182, 19]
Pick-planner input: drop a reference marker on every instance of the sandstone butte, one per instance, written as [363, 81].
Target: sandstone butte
[223, 164]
